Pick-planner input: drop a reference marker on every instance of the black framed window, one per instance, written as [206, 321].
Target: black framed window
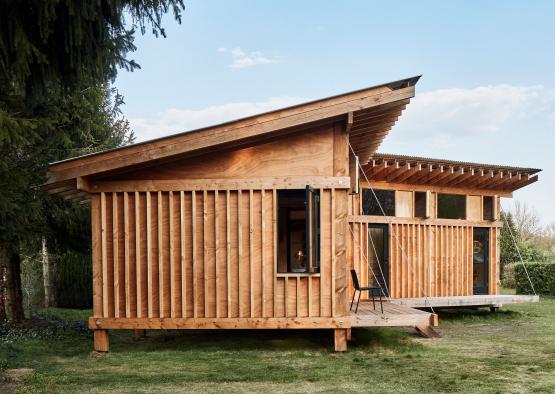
[371, 202]
[421, 204]
[299, 231]
[488, 208]
[451, 206]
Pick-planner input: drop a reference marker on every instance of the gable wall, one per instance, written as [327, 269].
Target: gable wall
[305, 154]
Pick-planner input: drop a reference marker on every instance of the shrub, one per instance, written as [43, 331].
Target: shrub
[508, 280]
[542, 275]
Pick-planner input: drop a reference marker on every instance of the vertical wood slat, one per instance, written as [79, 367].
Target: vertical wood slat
[332, 216]
[115, 248]
[251, 252]
[171, 233]
[275, 242]
[138, 270]
[194, 250]
[205, 251]
[239, 252]
[161, 289]
[228, 250]
[182, 254]
[322, 251]
[286, 296]
[149, 253]
[262, 248]
[97, 255]
[216, 253]
[104, 253]
[126, 254]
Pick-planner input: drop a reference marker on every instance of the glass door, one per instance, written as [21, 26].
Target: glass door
[480, 259]
[377, 252]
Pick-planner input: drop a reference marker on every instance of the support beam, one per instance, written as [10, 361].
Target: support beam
[427, 331]
[101, 342]
[340, 340]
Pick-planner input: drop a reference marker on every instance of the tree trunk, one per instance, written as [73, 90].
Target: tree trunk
[14, 295]
[2, 289]
[48, 277]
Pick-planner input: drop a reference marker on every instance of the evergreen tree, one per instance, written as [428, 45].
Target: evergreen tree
[57, 58]
[509, 252]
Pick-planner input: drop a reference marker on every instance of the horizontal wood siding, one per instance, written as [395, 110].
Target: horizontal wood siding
[209, 254]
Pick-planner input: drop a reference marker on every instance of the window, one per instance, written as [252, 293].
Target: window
[421, 205]
[451, 206]
[384, 198]
[299, 231]
[488, 208]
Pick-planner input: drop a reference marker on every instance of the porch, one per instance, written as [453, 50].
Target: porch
[393, 315]
[491, 300]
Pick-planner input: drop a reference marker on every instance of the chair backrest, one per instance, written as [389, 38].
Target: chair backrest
[355, 280]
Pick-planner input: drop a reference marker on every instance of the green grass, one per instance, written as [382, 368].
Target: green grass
[509, 351]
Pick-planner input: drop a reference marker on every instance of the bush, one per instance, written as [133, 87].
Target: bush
[508, 280]
[542, 275]
[74, 281]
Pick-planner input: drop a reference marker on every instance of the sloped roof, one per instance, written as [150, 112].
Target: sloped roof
[369, 113]
[448, 173]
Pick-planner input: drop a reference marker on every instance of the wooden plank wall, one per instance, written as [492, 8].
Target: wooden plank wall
[210, 254]
[424, 260]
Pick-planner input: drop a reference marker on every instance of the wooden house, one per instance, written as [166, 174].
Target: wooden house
[256, 223]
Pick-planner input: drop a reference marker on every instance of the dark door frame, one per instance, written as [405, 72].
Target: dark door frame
[385, 261]
[481, 289]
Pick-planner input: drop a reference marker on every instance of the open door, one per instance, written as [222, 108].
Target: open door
[480, 260]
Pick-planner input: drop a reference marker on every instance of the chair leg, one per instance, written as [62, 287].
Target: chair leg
[381, 303]
[353, 300]
[358, 300]
[373, 301]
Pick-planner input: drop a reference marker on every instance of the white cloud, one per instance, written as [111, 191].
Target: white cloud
[241, 59]
[500, 124]
[442, 116]
[175, 120]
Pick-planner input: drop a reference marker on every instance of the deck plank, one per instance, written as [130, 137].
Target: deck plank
[459, 301]
[394, 315]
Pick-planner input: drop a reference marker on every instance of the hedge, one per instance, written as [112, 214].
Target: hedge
[542, 275]
[508, 277]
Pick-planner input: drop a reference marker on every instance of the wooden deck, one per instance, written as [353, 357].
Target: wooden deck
[462, 301]
[393, 316]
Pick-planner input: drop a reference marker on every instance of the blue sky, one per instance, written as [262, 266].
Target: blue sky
[487, 93]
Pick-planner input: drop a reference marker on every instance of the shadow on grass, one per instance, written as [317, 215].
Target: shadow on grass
[384, 338]
[223, 340]
[476, 315]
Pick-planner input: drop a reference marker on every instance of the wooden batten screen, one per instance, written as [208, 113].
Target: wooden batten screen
[199, 254]
[425, 260]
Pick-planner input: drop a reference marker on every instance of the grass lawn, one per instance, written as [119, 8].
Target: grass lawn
[512, 350]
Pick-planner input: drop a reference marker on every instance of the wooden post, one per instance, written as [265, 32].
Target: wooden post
[340, 339]
[139, 333]
[101, 342]
[349, 334]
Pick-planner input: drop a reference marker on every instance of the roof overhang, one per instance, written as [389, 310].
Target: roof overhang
[369, 113]
[448, 173]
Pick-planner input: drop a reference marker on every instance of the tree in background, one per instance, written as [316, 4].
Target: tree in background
[57, 59]
[508, 248]
[526, 221]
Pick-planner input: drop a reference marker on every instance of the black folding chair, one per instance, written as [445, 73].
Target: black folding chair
[370, 291]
